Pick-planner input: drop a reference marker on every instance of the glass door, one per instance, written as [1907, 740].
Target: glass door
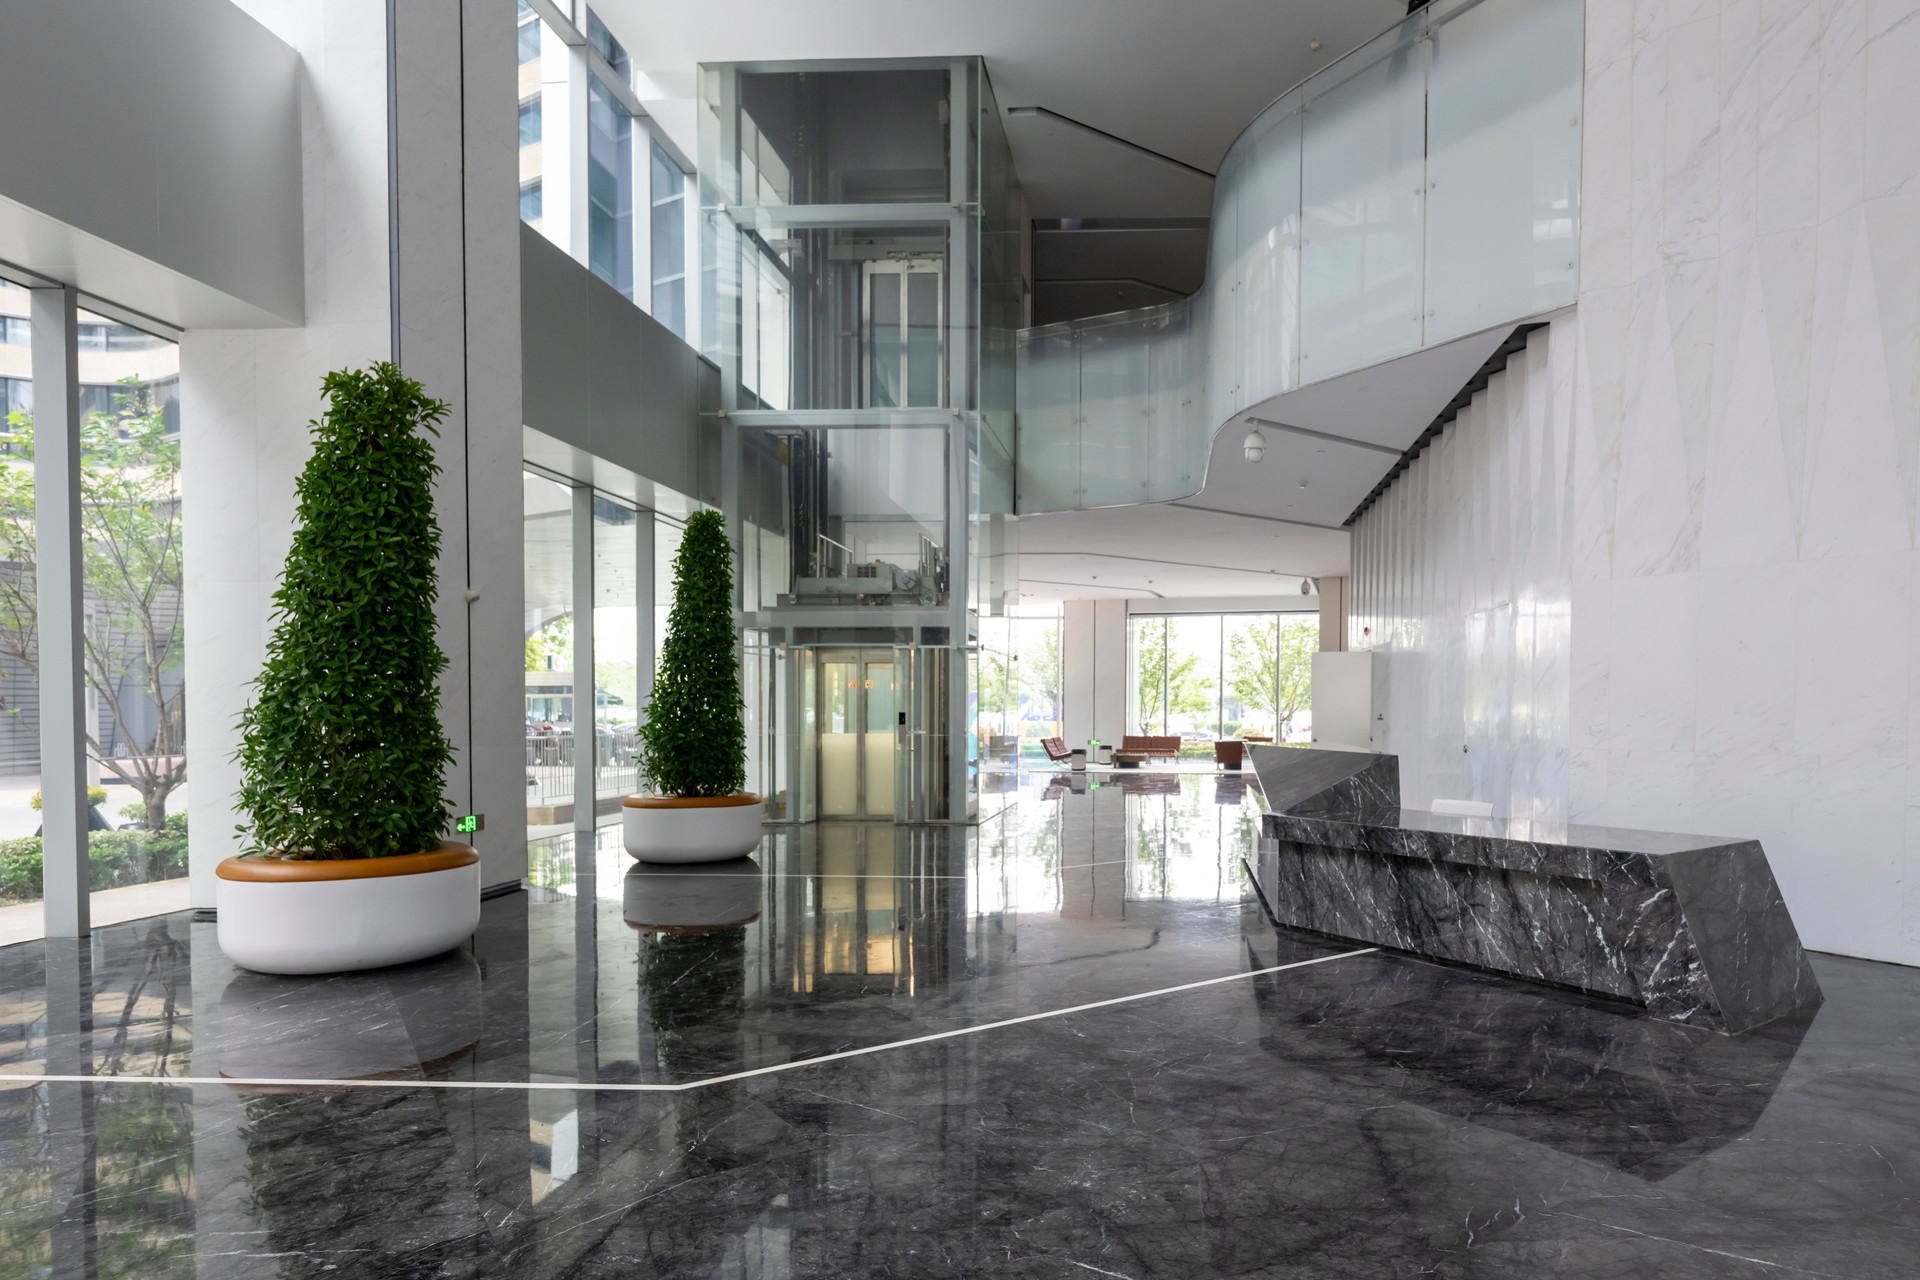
[880, 749]
[905, 358]
[859, 734]
[839, 738]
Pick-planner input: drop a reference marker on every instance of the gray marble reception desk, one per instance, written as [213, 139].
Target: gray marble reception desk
[1690, 927]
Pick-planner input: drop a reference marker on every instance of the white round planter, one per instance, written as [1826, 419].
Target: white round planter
[691, 829]
[342, 915]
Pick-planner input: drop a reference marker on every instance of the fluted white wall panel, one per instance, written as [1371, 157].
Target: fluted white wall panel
[1664, 571]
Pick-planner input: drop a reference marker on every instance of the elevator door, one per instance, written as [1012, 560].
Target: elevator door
[905, 357]
[859, 734]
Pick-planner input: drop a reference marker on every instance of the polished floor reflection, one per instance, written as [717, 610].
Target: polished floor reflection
[1067, 1042]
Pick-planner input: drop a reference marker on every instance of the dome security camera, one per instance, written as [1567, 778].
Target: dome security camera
[1306, 586]
[1255, 445]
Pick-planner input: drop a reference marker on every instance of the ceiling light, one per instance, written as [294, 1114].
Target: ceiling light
[1255, 445]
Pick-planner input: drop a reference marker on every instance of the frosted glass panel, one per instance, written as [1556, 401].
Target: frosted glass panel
[1048, 386]
[1330, 250]
[1114, 380]
[1268, 223]
[1362, 173]
[1178, 437]
[1503, 165]
[839, 775]
[1223, 293]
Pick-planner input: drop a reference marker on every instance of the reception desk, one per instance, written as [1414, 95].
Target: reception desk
[1692, 928]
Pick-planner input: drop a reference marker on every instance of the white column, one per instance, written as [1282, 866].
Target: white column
[1077, 664]
[1111, 670]
[563, 142]
[60, 587]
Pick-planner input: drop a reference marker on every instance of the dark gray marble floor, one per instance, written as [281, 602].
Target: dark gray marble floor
[1364, 1116]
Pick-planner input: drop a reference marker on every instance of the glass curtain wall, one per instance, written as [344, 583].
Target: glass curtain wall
[596, 178]
[617, 690]
[20, 856]
[547, 544]
[1209, 676]
[1019, 686]
[132, 535]
[627, 621]
[667, 241]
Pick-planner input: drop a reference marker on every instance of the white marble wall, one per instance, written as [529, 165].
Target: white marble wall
[1665, 573]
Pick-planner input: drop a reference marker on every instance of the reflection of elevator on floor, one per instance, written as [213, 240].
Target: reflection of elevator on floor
[860, 729]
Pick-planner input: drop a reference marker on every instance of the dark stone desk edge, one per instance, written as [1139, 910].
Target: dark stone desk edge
[1693, 928]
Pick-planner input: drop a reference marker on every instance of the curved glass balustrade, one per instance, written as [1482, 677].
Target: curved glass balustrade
[1425, 187]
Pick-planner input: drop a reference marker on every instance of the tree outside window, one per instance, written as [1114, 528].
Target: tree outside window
[131, 547]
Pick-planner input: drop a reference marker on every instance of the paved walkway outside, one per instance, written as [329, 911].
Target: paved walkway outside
[25, 922]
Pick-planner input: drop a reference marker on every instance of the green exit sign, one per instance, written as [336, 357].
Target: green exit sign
[469, 823]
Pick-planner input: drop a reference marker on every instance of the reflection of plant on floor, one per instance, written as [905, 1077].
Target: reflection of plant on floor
[142, 1145]
[689, 977]
[550, 863]
[117, 858]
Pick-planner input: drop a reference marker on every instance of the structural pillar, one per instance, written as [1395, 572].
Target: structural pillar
[60, 586]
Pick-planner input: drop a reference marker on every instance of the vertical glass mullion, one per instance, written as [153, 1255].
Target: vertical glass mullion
[57, 577]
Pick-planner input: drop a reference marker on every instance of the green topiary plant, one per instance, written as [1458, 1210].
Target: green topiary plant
[694, 741]
[342, 754]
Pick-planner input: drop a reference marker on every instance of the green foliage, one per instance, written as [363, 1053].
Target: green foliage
[1169, 686]
[115, 858]
[551, 647]
[95, 796]
[694, 740]
[130, 545]
[342, 755]
[1270, 667]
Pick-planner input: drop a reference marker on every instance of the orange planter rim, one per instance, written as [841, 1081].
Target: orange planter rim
[268, 870]
[690, 802]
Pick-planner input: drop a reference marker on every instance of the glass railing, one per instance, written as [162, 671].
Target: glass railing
[1423, 188]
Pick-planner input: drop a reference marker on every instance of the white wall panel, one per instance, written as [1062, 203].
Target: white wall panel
[1663, 571]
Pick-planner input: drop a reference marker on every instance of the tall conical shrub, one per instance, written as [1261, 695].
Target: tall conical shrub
[694, 741]
[342, 753]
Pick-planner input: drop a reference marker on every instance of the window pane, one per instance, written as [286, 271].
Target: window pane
[670, 305]
[668, 182]
[884, 346]
[923, 339]
[548, 546]
[529, 34]
[132, 533]
[19, 691]
[546, 66]
[1193, 677]
[1299, 640]
[602, 40]
[610, 188]
[616, 654]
